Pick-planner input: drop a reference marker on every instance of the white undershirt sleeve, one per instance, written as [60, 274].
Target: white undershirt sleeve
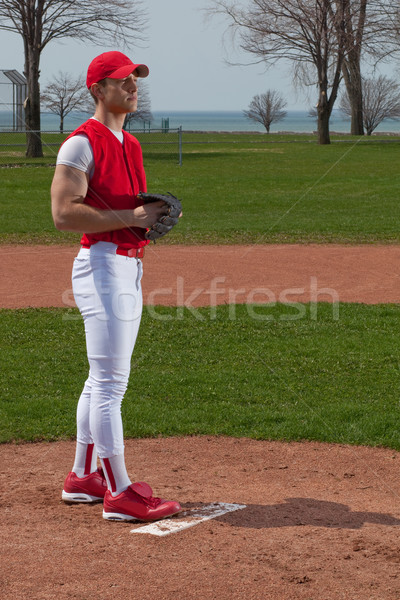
[77, 152]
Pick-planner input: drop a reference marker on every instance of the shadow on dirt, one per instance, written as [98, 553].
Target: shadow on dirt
[296, 512]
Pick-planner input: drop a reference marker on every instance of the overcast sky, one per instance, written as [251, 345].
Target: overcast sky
[186, 58]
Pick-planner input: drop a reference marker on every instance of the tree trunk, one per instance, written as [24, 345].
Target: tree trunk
[324, 107]
[323, 127]
[325, 102]
[352, 77]
[62, 124]
[324, 114]
[351, 67]
[32, 107]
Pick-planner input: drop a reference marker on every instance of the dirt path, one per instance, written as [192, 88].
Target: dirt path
[321, 522]
[204, 275]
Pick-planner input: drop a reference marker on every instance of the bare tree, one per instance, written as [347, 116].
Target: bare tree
[302, 31]
[143, 112]
[267, 108]
[369, 27]
[39, 22]
[381, 100]
[65, 94]
[309, 33]
[382, 29]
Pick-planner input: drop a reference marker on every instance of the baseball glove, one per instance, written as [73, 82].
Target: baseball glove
[167, 221]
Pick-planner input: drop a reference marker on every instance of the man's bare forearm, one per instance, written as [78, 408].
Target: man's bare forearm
[71, 213]
[85, 218]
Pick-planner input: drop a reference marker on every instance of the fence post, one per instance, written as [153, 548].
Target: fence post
[165, 125]
[180, 144]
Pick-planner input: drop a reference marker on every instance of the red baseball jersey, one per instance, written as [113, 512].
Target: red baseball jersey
[118, 177]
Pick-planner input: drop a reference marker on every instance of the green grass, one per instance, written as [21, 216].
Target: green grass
[245, 189]
[271, 377]
[324, 376]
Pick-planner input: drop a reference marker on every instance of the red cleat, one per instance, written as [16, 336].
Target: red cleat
[86, 489]
[137, 503]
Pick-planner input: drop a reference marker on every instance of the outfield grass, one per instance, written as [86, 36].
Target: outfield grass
[246, 189]
[317, 378]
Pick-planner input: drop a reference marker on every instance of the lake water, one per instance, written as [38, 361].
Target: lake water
[295, 121]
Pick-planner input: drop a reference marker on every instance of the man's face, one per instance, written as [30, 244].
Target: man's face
[120, 95]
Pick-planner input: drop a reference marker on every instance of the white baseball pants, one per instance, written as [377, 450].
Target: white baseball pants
[107, 291]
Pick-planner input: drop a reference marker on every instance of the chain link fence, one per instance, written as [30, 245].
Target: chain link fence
[164, 144]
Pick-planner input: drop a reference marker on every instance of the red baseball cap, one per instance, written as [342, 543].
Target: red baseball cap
[114, 65]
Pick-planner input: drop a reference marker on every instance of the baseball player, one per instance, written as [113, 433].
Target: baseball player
[99, 188]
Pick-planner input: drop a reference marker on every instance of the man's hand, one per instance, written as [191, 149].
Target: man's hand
[169, 217]
[148, 214]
